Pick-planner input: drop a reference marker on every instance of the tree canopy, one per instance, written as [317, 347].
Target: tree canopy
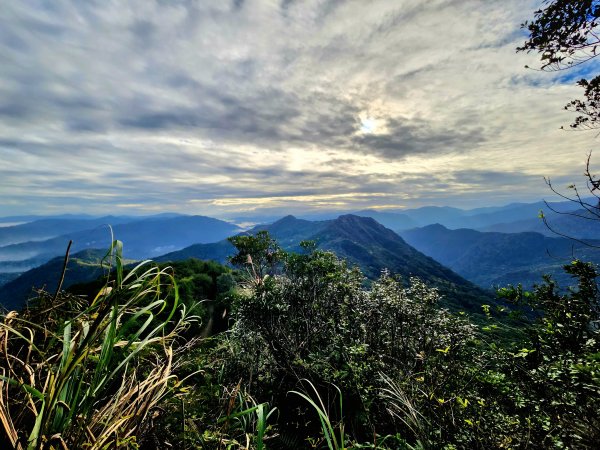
[565, 33]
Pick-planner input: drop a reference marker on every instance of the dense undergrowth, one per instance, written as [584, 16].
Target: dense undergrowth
[293, 351]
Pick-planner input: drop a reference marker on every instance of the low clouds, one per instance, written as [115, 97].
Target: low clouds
[195, 105]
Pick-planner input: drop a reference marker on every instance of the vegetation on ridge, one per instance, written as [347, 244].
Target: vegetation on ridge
[383, 366]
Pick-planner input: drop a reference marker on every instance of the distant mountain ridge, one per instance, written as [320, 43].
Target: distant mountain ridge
[486, 261]
[43, 229]
[492, 258]
[580, 224]
[454, 218]
[289, 231]
[142, 238]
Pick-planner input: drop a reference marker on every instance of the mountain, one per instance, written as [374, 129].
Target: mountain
[367, 243]
[431, 214]
[43, 229]
[491, 259]
[511, 213]
[363, 242]
[372, 247]
[463, 218]
[23, 265]
[83, 267]
[290, 231]
[287, 231]
[6, 277]
[216, 251]
[579, 224]
[142, 238]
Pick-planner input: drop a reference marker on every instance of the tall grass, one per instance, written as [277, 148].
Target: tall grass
[77, 374]
[335, 440]
[400, 406]
[245, 417]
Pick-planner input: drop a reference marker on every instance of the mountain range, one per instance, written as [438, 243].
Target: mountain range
[484, 219]
[144, 238]
[497, 259]
[463, 250]
[362, 242]
[83, 267]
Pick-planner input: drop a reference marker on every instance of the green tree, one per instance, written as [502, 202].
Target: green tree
[565, 33]
[316, 320]
[557, 374]
[258, 254]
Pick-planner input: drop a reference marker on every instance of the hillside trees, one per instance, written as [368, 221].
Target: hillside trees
[563, 358]
[558, 380]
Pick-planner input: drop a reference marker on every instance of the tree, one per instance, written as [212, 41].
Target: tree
[259, 254]
[559, 373]
[316, 320]
[565, 33]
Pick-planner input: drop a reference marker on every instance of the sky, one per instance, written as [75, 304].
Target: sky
[241, 107]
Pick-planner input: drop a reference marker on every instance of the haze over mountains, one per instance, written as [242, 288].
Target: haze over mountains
[445, 246]
[144, 238]
[83, 266]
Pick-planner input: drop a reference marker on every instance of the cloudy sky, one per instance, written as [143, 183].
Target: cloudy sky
[253, 106]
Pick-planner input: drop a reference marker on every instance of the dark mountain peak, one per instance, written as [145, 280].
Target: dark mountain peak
[287, 223]
[365, 242]
[288, 219]
[435, 227]
[359, 228]
[290, 230]
[351, 219]
[363, 231]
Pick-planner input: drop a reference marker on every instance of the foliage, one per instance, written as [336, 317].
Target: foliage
[565, 33]
[410, 371]
[561, 370]
[314, 357]
[333, 443]
[316, 321]
[258, 253]
[78, 375]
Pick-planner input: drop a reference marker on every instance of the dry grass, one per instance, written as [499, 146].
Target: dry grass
[75, 374]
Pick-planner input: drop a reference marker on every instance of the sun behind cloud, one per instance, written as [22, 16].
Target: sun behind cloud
[370, 124]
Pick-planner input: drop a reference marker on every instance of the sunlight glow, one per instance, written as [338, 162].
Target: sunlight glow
[368, 125]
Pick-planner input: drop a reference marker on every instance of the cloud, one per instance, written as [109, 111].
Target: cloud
[195, 106]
